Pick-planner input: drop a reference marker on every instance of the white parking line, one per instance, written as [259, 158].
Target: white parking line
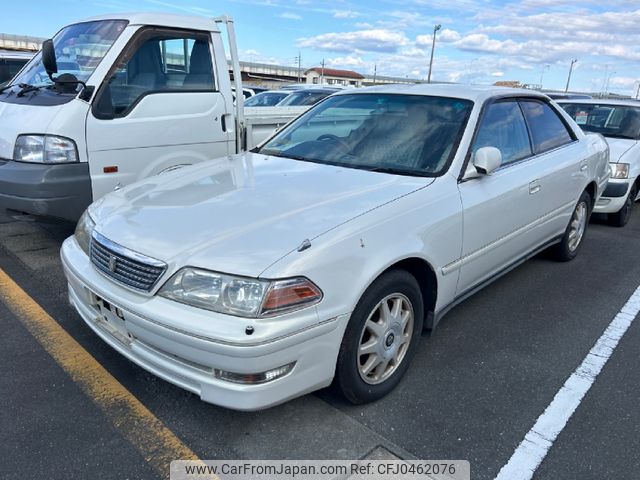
[531, 452]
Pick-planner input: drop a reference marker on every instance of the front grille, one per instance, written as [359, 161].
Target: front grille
[126, 267]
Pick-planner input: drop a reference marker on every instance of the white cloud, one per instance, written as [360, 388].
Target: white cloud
[290, 16]
[375, 40]
[497, 74]
[446, 36]
[345, 14]
[349, 61]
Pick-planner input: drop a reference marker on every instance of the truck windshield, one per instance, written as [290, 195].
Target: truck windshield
[401, 134]
[616, 121]
[79, 49]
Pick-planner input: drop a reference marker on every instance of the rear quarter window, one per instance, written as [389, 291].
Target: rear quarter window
[548, 131]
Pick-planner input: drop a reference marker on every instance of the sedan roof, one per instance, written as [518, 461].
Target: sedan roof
[476, 93]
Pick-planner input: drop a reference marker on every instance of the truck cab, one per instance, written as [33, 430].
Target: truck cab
[134, 95]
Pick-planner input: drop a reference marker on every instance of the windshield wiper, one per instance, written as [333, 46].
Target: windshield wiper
[26, 88]
[272, 153]
[393, 171]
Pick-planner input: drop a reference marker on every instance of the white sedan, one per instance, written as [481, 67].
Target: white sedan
[322, 255]
[619, 122]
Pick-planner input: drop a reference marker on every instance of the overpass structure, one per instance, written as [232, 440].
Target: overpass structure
[21, 43]
[274, 76]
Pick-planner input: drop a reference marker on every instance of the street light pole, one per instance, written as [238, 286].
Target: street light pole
[638, 90]
[566, 89]
[433, 47]
[544, 67]
[606, 88]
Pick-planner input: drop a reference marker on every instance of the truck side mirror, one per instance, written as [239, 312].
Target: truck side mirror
[49, 58]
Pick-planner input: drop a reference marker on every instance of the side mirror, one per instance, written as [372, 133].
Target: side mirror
[49, 58]
[487, 160]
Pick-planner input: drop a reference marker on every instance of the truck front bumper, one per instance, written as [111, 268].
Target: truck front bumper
[62, 191]
[154, 334]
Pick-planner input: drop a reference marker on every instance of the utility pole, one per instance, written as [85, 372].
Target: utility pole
[433, 47]
[638, 90]
[322, 73]
[566, 89]
[375, 72]
[298, 60]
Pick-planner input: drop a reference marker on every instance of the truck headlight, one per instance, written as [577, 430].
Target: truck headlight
[84, 230]
[45, 149]
[619, 170]
[244, 297]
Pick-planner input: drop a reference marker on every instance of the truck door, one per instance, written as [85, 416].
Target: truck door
[159, 108]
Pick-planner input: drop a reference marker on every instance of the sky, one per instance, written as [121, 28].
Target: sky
[482, 41]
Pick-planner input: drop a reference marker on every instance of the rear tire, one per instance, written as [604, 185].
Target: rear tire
[622, 216]
[573, 237]
[381, 337]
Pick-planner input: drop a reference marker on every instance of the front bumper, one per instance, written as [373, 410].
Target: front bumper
[62, 191]
[614, 196]
[187, 359]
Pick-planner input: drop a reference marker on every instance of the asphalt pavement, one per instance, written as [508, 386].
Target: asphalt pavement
[475, 388]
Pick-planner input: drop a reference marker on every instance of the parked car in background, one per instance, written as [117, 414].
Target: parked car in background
[11, 62]
[306, 86]
[137, 95]
[619, 122]
[255, 278]
[307, 96]
[270, 98]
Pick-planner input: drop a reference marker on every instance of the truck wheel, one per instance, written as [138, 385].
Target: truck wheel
[572, 240]
[381, 338]
[622, 216]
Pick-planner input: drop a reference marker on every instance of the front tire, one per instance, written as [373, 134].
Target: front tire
[622, 216]
[572, 240]
[381, 338]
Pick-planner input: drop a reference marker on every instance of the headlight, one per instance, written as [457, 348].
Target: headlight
[245, 297]
[45, 149]
[619, 170]
[83, 232]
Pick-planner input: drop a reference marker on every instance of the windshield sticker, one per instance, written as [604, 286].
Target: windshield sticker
[581, 118]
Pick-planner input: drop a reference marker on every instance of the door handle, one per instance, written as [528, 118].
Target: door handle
[583, 166]
[534, 187]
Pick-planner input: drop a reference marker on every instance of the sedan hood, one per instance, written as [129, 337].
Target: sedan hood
[240, 214]
[618, 147]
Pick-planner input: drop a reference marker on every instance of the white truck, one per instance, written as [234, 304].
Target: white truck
[114, 99]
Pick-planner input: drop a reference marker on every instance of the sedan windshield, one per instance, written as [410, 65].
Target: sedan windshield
[304, 98]
[617, 121]
[79, 49]
[265, 99]
[402, 134]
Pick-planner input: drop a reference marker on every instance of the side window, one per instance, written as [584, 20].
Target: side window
[547, 129]
[158, 62]
[503, 126]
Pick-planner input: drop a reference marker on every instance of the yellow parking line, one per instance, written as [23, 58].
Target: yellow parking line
[157, 444]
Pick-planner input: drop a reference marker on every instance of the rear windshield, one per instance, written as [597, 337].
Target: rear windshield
[616, 121]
